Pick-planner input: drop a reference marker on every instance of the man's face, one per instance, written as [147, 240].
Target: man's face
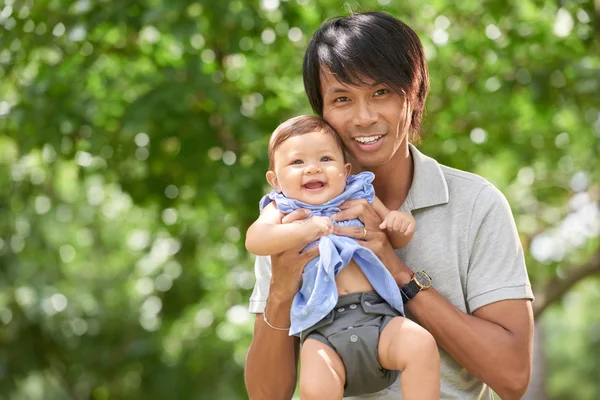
[309, 168]
[372, 119]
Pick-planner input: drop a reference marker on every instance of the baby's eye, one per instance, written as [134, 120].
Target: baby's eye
[297, 162]
[326, 158]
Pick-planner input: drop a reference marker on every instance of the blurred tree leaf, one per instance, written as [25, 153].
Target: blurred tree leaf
[133, 143]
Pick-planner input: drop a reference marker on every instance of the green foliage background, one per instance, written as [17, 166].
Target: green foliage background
[132, 156]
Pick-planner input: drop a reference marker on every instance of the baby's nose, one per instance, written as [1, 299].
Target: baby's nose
[313, 168]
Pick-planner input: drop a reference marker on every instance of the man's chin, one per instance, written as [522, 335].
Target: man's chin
[369, 162]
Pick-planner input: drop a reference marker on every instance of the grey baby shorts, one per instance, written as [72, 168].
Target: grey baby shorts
[352, 329]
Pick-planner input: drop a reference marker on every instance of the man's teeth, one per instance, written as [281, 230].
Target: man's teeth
[367, 139]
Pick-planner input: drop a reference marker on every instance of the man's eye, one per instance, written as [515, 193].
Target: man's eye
[297, 162]
[381, 92]
[325, 159]
[341, 99]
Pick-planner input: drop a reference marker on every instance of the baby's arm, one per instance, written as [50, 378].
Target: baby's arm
[400, 225]
[268, 236]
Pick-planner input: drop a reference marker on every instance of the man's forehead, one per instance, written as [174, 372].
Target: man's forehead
[334, 82]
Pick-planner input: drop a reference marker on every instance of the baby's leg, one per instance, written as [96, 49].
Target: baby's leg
[322, 372]
[406, 346]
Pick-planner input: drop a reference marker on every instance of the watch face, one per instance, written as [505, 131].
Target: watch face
[422, 279]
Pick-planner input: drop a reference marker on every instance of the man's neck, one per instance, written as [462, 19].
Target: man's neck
[394, 178]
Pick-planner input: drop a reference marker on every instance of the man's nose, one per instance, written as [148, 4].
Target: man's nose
[364, 114]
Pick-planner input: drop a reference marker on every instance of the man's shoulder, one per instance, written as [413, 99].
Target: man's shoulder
[471, 188]
[467, 189]
[463, 179]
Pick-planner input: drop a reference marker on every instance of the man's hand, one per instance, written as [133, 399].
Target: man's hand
[375, 239]
[398, 221]
[287, 267]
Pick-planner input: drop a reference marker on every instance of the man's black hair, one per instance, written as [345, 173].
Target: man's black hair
[374, 45]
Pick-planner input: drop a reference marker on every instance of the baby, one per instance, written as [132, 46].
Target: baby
[349, 312]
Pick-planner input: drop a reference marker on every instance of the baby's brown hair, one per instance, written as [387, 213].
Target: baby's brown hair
[297, 126]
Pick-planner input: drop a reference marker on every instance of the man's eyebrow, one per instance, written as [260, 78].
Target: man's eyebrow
[337, 89]
[342, 88]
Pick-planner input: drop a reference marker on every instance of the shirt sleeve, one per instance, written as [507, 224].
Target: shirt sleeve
[262, 273]
[496, 261]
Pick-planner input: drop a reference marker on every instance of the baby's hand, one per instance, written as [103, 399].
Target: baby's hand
[397, 221]
[318, 226]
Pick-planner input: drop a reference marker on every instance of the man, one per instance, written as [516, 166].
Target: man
[463, 275]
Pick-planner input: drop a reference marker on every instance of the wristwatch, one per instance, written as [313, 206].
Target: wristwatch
[420, 281]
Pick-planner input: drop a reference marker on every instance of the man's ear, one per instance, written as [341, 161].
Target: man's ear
[272, 179]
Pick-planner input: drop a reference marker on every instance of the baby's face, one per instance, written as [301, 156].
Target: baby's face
[309, 168]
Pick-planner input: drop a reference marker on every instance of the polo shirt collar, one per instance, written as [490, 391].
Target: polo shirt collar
[429, 187]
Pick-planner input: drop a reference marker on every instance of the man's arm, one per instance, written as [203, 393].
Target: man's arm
[495, 343]
[271, 363]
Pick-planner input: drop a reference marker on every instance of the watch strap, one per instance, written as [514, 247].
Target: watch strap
[409, 291]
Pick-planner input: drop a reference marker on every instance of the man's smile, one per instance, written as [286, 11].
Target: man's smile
[368, 143]
[368, 139]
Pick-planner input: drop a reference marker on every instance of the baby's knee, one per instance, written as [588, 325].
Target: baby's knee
[318, 388]
[429, 343]
[422, 343]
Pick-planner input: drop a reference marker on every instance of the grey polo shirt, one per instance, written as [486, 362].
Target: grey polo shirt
[466, 240]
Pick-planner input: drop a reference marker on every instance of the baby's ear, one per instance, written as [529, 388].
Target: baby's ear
[272, 179]
[348, 167]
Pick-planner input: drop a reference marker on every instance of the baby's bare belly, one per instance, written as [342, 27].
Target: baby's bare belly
[351, 280]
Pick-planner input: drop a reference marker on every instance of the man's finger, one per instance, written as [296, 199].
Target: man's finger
[358, 212]
[351, 203]
[349, 231]
[295, 215]
[344, 215]
[311, 253]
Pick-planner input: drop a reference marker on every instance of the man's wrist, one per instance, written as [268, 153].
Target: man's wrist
[400, 272]
[278, 308]
[419, 282]
[403, 277]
